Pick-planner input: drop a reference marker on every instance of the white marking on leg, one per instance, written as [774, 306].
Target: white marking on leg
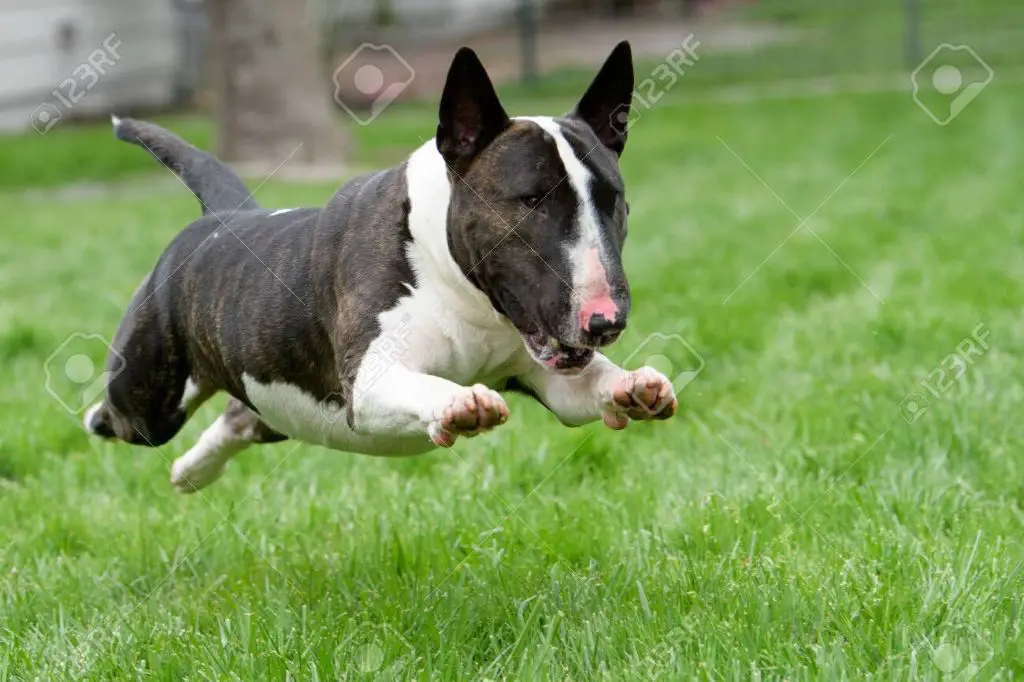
[89, 414]
[282, 211]
[290, 411]
[190, 395]
[204, 463]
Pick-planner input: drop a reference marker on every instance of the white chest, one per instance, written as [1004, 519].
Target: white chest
[475, 357]
[431, 334]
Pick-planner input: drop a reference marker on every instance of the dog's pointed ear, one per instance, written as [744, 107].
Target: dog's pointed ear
[605, 105]
[470, 114]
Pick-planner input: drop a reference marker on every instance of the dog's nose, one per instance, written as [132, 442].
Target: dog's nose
[602, 328]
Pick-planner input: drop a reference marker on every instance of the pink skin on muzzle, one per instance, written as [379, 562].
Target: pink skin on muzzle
[597, 293]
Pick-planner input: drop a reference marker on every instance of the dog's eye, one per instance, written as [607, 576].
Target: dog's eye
[531, 202]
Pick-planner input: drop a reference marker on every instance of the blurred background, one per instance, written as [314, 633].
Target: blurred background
[272, 75]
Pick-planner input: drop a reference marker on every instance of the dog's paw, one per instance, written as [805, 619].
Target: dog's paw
[192, 471]
[640, 395]
[470, 412]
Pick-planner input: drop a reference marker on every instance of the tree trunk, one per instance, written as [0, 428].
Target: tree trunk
[273, 100]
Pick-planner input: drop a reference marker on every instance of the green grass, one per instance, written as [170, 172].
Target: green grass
[788, 525]
[868, 37]
[87, 152]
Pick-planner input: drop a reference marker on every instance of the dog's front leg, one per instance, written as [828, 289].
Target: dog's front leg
[603, 391]
[402, 402]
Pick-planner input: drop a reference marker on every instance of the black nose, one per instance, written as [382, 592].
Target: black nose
[605, 330]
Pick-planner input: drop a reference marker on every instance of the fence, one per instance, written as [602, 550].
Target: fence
[759, 41]
[741, 41]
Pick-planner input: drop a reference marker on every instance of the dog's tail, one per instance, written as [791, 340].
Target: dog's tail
[217, 187]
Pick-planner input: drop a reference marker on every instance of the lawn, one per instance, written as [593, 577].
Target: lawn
[802, 518]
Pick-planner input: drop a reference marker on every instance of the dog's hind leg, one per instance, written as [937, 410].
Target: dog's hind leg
[137, 422]
[152, 388]
[235, 430]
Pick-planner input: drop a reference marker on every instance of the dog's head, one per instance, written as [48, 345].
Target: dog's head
[537, 217]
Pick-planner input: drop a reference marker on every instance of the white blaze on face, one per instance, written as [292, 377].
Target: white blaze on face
[587, 254]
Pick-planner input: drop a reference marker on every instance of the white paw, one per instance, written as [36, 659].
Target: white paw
[190, 473]
[640, 395]
[471, 411]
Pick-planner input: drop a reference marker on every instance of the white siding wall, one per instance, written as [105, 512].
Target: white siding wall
[33, 64]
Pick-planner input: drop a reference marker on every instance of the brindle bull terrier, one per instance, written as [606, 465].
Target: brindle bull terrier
[386, 322]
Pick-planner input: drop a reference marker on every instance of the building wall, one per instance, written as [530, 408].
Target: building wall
[45, 52]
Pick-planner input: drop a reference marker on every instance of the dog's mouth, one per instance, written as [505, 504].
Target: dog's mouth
[546, 349]
[553, 354]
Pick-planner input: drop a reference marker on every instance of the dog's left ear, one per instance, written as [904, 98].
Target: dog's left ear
[605, 105]
[470, 115]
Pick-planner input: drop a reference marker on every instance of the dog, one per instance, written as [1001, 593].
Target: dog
[389, 321]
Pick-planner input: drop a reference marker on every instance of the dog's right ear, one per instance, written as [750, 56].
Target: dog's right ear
[470, 115]
[605, 105]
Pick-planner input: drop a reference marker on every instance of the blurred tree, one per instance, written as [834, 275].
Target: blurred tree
[383, 13]
[272, 95]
